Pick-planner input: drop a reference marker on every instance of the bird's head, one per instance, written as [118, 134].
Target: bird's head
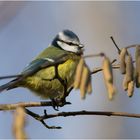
[68, 41]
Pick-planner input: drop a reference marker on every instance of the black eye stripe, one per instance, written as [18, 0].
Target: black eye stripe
[69, 43]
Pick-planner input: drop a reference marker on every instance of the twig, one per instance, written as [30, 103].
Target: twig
[83, 112]
[94, 55]
[26, 104]
[77, 113]
[39, 118]
[115, 44]
[132, 46]
[98, 69]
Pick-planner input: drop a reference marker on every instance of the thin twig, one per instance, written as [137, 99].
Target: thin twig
[115, 44]
[98, 69]
[40, 119]
[94, 55]
[132, 46]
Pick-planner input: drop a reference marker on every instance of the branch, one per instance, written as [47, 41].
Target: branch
[60, 114]
[39, 118]
[77, 113]
[101, 113]
[4, 107]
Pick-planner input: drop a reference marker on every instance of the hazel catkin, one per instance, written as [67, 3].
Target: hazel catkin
[107, 70]
[108, 77]
[122, 56]
[130, 90]
[78, 73]
[84, 81]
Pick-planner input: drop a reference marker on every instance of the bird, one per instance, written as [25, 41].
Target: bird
[50, 75]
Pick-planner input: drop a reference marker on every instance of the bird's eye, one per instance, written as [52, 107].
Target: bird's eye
[70, 43]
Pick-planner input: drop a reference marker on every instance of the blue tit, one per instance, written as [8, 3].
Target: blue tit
[51, 73]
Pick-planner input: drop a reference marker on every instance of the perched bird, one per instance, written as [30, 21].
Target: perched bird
[51, 73]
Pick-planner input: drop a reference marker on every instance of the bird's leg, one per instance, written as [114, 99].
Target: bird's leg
[62, 101]
[69, 90]
[55, 104]
[66, 93]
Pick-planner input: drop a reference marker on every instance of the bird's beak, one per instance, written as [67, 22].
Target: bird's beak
[81, 46]
[81, 49]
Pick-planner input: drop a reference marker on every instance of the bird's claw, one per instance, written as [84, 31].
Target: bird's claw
[55, 104]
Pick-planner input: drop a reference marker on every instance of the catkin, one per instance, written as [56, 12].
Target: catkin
[130, 90]
[89, 87]
[137, 72]
[111, 90]
[129, 75]
[19, 124]
[84, 81]
[122, 56]
[78, 73]
[108, 77]
[107, 70]
[129, 68]
[125, 82]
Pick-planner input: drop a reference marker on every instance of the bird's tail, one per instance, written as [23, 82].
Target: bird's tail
[9, 85]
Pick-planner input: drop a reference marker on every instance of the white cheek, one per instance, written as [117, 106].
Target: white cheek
[66, 47]
[62, 36]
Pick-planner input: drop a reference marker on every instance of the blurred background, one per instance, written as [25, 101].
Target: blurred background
[26, 28]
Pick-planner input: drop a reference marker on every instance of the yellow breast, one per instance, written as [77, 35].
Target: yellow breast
[41, 82]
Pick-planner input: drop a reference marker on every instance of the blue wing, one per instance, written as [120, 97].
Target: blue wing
[32, 68]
